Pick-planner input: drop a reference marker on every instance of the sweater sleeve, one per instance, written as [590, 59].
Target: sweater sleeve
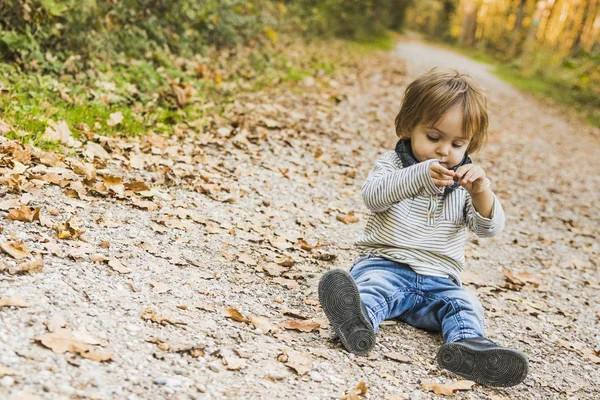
[481, 226]
[389, 183]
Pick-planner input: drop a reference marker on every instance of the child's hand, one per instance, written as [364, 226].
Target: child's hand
[472, 178]
[440, 175]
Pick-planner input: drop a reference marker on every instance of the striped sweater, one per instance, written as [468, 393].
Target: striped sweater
[413, 222]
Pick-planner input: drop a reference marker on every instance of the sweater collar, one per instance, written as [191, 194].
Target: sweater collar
[404, 151]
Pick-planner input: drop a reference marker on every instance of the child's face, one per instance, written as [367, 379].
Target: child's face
[443, 141]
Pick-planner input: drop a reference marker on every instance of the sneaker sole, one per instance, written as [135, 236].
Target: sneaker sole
[499, 367]
[340, 300]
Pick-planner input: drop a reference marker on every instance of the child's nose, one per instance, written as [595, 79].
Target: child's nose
[442, 150]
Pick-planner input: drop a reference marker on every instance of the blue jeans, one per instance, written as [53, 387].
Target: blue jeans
[391, 289]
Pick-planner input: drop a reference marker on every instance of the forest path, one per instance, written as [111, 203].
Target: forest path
[261, 226]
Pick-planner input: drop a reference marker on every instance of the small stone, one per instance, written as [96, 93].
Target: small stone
[277, 373]
[315, 376]
[132, 328]
[7, 381]
[214, 366]
[414, 396]
[201, 387]
[167, 381]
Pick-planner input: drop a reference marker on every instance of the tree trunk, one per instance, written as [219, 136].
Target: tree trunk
[575, 46]
[442, 29]
[533, 28]
[516, 36]
[550, 9]
[469, 26]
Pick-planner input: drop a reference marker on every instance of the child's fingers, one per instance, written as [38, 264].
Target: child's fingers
[436, 167]
[443, 182]
[473, 175]
[463, 169]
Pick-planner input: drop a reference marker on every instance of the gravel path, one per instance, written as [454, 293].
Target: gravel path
[260, 244]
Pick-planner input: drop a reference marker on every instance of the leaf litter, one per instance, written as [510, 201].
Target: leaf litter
[230, 226]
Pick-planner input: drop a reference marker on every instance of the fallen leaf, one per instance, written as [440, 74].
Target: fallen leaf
[234, 363]
[151, 315]
[24, 213]
[115, 118]
[303, 326]
[348, 218]
[118, 266]
[235, 315]
[28, 267]
[359, 391]
[16, 249]
[263, 324]
[56, 322]
[297, 361]
[273, 269]
[289, 283]
[280, 243]
[62, 341]
[159, 287]
[14, 301]
[245, 258]
[447, 388]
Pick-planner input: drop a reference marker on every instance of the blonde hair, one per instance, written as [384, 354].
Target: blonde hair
[430, 96]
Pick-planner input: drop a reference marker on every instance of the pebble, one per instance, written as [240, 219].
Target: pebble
[132, 328]
[414, 396]
[167, 381]
[214, 366]
[315, 376]
[7, 381]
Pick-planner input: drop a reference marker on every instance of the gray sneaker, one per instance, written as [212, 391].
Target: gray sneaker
[483, 361]
[347, 315]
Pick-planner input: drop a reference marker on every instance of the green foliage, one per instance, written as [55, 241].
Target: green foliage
[42, 34]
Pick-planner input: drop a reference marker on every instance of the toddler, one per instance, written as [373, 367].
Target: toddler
[422, 196]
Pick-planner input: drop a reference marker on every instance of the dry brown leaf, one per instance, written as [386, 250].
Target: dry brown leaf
[62, 341]
[289, 283]
[159, 287]
[280, 243]
[348, 218]
[245, 258]
[234, 363]
[447, 388]
[70, 229]
[263, 324]
[273, 269]
[299, 362]
[14, 301]
[398, 357]
[24, 213]
[359, 391]
[528, 277]
[8, 204]
[16, 249]
[284, 261]
[115, 264]
[303, 326]
[145, 204]
[95, 150]
[235, 315]
[115, 118]
[151, 315]
[28, 267]
[136, 187]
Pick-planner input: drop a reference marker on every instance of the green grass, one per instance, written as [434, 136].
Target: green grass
[385, 42]
[141, 89]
